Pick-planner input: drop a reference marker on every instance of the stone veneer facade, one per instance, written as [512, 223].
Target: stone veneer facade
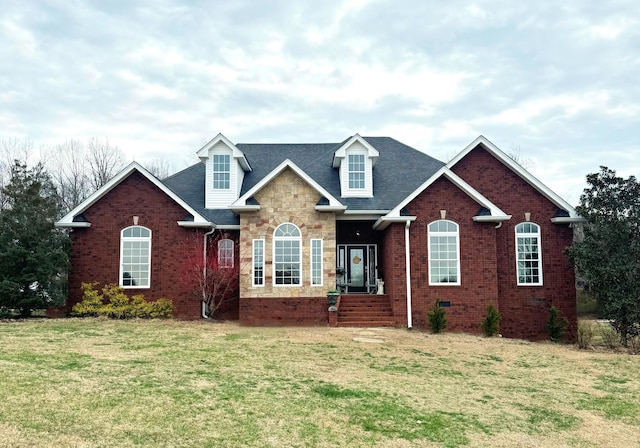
[287, 198]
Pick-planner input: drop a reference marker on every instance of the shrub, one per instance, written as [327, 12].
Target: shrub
[491, 322]
[115, 304]
[91, 301]
[584, 335]
[437, 318]
[609, 336]
[556, 325]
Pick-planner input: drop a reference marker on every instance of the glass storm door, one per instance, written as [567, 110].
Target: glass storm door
[357, 268]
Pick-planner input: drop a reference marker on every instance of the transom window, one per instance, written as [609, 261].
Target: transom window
[221, 171]
[135, 257]
[444, 253]
[528, 254]
[287, 246]
[225, 253]
[356, 166]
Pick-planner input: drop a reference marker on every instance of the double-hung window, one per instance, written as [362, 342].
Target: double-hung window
[135, 257]
[287, 254]
[356, 166]
[528, 254]
[444, 253]
[221, 171]
[225, 253]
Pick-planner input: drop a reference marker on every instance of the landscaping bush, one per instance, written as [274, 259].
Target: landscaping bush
[584, 335]
[437, 318]
[491, 322]
[556, 325]
[115, 304]
[609, 336]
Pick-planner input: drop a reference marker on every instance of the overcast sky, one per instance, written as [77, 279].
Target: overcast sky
[558, 81]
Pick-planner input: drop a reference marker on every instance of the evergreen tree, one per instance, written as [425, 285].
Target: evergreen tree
[33, 253]
[609, 254]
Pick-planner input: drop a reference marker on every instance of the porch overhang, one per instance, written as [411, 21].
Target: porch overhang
[384, 221]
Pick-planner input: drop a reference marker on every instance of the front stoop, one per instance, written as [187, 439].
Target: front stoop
[365, 310]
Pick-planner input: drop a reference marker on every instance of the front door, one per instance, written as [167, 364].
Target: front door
[356, 269]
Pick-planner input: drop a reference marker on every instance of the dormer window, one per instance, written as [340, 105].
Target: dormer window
[356, 171]
[225, 168]
[355, 160]
[221, 171]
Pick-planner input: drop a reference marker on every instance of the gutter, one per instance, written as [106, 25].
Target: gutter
[408, 271]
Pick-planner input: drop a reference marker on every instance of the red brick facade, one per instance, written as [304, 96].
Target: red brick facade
[95, 255]
[524, 309]
[487, 252]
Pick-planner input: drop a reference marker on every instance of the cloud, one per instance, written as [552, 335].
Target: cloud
[558, 80]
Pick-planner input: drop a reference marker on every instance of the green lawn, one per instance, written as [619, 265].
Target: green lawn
[86, 383]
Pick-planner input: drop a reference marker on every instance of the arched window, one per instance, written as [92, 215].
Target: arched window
[135, 257]
[225, 253]
[287, 254]
[444, 253]
[528, 254]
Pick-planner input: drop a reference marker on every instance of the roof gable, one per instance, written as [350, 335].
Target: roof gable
[341, 152]
[69, 219]
[245, 203]
[522, 173]
[489, 211]
[204, 152]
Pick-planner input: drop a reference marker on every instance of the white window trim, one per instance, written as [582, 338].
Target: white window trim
[287, 238]
[253, 264]
[321, 254]
[367, 190]
[132, 239]
[222, 250]
[214, 171]
[363, 172]
[457, 235]
[538, 235]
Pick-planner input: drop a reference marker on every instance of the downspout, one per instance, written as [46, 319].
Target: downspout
[408, 271]
[204, 267]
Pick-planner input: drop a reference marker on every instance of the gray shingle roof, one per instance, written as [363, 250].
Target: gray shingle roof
[399, 170]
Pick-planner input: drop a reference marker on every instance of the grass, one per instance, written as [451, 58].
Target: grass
[86, 383]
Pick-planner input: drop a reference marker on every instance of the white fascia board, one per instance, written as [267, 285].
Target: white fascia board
[330, 208]
[73, 225]
[203, 153]
[340, 153]
[518, 169]
[496, 213]
[491, 218]
[190, 224]
[67, 220]
[384, 221]
[241, 202]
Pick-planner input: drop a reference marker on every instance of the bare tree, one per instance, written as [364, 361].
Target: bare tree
[68, 168]
[517, 156]
[214, 273]
[104, 161]
[160, 168]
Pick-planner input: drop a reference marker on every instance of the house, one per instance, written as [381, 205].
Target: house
[392, 227]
